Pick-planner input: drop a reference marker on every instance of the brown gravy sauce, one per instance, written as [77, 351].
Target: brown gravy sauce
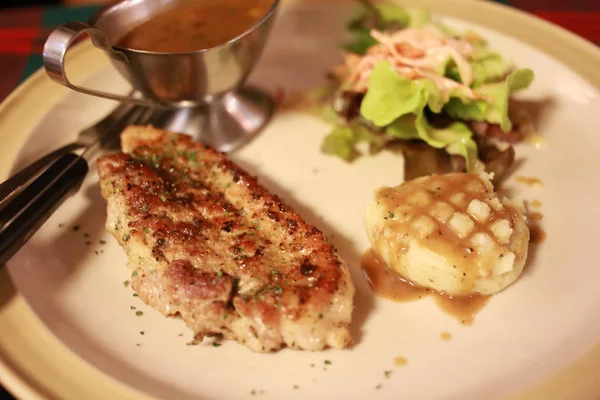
[536, 233]
[529, 181]
[535, 216]
[400, 361]
[536, 204]
[389, 284]
[195, 25]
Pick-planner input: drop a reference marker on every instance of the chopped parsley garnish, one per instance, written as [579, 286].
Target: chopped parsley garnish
[146, 230]
[125, 237]
[134, 273]
[102, 241]
[321, 316]
[163, 198]
[390, 215]
[216, 344]
[378, 386]
[125, 283]
[135, 295]
[277, 289]
[387, 373]
[139, 313]
[191, 155]
[219, 273]
[132, 307]
[327, 362]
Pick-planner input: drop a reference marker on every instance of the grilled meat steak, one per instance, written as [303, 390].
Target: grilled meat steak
[206, 242]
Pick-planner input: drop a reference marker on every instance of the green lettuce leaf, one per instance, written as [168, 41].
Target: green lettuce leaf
[399, 104]
[342, 141]
[391, 96]
[456, 139]
[496, 111]
[487, 67]
[393, 14]
[418, 17]
[362, 22]
[361, 42]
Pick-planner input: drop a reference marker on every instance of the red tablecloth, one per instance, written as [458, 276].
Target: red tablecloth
[24, 30]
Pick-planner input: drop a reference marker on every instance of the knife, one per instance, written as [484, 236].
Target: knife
[28, 210]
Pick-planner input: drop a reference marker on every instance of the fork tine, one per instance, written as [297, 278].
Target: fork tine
[145, 117]
[137, 115]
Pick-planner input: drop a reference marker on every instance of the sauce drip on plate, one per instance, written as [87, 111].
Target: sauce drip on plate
[195, 25]
[530, 181]
[536, 232]
[536, 204]
[389, 284]
[400, 361]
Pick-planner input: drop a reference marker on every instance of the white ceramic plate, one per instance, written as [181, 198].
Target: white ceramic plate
[526, 334]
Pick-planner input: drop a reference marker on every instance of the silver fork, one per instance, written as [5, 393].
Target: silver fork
[17, 182]
[26, 211]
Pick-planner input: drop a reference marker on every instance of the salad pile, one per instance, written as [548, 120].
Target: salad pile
[405, 76]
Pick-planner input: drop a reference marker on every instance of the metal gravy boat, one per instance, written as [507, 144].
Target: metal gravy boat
[199, 92]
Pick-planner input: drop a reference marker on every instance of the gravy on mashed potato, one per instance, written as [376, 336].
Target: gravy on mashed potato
[195, 25]
[391, 285]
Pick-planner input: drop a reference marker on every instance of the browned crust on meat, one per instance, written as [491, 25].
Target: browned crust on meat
[215, 235]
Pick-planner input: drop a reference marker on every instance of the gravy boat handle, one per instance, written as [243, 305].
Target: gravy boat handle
[61, 40]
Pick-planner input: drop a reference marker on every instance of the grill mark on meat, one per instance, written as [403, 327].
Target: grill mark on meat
[307, 269]
[200, 215]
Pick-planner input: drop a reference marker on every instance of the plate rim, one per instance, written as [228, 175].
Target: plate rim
[23, 374]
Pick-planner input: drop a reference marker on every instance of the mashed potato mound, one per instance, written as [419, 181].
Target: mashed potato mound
[450, 233]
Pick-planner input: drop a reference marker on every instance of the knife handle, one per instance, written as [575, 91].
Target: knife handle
[13, 185]
[32, 207]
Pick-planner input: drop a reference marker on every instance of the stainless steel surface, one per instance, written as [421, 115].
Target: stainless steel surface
[224, 125]
[174, 79]
[201, 91]
[55, 50]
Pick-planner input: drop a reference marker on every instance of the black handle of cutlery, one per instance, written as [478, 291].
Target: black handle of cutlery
[13, 185]
[32, 207]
